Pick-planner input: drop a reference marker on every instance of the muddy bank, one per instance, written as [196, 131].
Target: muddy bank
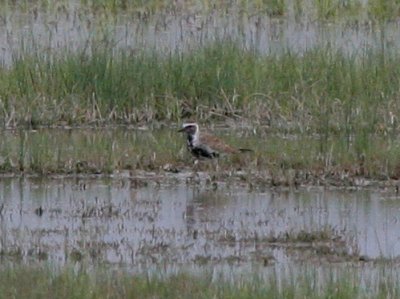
[212, 179]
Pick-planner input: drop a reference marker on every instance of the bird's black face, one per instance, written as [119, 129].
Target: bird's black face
[189, 129]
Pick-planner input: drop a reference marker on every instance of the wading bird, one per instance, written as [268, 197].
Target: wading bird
[203, 145]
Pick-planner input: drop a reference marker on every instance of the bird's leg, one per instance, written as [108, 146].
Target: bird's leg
[195, 165]
[216, 165]
[194, 177]
[214, 169]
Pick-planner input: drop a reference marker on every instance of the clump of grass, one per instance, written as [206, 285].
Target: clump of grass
[383, 10]
[326, 234]
[333, 9]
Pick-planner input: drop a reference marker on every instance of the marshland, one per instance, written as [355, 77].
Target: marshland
[99, 197]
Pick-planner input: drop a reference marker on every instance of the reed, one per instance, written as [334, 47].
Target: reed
[321, 91]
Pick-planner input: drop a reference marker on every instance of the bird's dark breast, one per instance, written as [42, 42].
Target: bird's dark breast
[199, 152]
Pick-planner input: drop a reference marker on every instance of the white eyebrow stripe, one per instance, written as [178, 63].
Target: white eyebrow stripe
[189, 124]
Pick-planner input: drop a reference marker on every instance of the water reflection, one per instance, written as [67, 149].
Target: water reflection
[110, 221]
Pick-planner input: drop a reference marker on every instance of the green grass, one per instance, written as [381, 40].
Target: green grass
[97, 151]
[320, 91]
[277, 159]
[39, 282]
[150, 7]
[383, 10]
[332, 10]
[323, 10]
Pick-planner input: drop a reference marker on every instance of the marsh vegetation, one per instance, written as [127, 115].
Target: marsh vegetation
[99, 88]
[82, 284]
[277, 159]
[97, 64]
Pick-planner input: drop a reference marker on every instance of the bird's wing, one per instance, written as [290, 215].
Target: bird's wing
[217, 144]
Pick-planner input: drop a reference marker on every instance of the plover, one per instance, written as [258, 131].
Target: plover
[203, 145]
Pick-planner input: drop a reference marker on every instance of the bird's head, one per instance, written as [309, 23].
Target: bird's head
[190, 128]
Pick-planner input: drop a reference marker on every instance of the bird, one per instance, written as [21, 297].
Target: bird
[202, 145]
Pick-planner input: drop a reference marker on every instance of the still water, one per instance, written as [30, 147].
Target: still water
[122, 223]
[72, 28]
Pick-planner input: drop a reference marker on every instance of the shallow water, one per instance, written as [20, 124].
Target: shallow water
[71, 28]
[118, 222]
